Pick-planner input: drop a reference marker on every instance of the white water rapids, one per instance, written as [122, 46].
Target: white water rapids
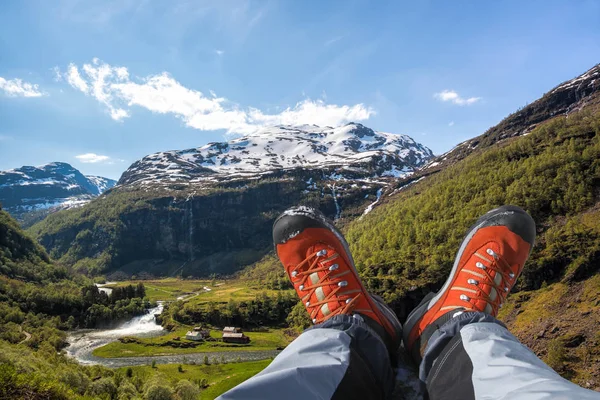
[84, 342]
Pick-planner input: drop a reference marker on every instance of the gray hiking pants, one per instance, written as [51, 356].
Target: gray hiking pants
[472, 356]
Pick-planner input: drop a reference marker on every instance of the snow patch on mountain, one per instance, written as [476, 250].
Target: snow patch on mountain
[585, 80]
[101, 184]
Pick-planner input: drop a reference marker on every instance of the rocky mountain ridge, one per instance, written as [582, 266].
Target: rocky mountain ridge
[48, 188]
[352, 151]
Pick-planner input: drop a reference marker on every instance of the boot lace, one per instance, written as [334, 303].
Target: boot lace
[347, 299]
[483, 274]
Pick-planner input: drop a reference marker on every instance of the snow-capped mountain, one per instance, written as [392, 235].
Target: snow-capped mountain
[49, 187]
[352, 148]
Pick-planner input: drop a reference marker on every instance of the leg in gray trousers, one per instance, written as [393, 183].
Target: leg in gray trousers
[472, 356]
[340, 358]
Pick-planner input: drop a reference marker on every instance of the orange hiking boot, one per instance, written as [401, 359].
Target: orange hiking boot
[486, 268]
[319, 264]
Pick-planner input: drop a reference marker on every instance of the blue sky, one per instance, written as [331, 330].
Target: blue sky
[112, 81]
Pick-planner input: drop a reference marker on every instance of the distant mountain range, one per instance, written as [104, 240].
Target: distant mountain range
[353, 150]
[47, 188]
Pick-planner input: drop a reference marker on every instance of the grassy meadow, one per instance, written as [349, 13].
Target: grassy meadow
[159, 346]
[219, 377]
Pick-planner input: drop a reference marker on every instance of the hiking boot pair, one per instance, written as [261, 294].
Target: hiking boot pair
[318, 262]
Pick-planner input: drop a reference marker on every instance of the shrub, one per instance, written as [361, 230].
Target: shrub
[158, 391]
[556, 356]
[186, 390]
[127, 391]
[103, 388]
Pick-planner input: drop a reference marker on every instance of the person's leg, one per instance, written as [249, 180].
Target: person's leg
[346, 354]
[471, 359]
[343, 358]
[462, 350]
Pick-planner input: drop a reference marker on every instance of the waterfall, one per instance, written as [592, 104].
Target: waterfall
[338, 209]
[370, 207]
[190, 217]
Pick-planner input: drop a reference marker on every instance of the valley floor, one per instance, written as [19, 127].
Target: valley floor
[271, 339]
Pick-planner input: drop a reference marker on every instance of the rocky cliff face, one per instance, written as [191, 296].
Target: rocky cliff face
[47, 188]
[210, 209]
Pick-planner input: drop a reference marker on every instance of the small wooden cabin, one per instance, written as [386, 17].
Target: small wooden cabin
[235, 337]
[198, 334]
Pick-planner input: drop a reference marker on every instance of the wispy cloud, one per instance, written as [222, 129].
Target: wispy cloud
[452, 96]
[333, 40]
[18, 88]
[219, 52]
[451, 123]
[161, 93]
[92, 158]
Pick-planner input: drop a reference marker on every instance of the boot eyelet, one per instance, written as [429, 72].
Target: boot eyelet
[301, 287]
[342, 283]
[322, 253]
[294, 274]
[334, 267]
[464, 297]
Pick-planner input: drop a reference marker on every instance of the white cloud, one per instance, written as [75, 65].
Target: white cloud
[161, 93]
[219, 52]
[18, 88]
[91, 158]
[451, 123]
[95, 85]
[452, 96]
[74, 79]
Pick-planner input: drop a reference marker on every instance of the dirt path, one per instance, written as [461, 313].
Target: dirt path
[27, 335]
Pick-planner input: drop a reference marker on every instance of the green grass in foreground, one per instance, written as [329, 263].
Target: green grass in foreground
[270, 340]
[220, 377]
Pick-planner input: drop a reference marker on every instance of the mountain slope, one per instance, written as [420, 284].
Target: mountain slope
[47, 188]
[354, 149]
[406, 247]
[210, 210]
[569, 97]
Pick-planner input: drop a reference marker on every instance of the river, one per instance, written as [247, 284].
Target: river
[83, 342]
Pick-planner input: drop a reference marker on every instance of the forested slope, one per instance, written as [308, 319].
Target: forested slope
[39, 301]
[406, 247]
